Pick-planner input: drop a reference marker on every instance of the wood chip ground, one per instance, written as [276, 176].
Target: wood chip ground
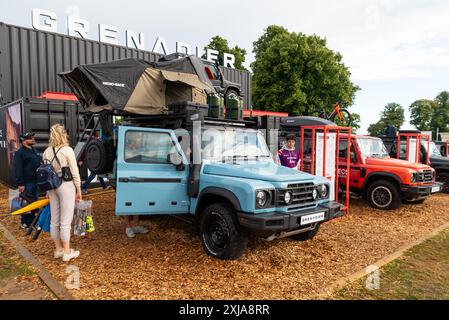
[169, 262]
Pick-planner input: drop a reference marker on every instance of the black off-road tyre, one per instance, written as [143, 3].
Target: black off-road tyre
[221, 234]
[384, 195]
[231, 94]
[100, 156]
[306, 236]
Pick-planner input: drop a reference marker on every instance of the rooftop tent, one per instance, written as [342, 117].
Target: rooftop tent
[134, 86]
[180, 62]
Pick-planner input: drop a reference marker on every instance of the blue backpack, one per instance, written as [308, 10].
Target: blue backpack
[47, 177]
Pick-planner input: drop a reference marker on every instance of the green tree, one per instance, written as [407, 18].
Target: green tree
[377, 129]
[421, 114]
[298, 74]
[431, 115]
[355, 124]
[440, 118]
[222, 45]
[392, 115]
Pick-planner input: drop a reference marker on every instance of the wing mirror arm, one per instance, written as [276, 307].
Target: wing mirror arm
[176, 160]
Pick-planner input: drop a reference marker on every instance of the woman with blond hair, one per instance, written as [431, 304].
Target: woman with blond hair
[62, 200]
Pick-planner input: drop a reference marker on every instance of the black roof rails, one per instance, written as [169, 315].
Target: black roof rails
[184, 120]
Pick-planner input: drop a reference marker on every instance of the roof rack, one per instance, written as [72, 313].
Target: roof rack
[184, 120]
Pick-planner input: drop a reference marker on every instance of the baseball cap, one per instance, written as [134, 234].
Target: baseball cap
[27, 136]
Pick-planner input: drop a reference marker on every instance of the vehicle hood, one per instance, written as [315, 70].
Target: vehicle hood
[439, 160]
[390, 162]
[231, 84]
[264, 171]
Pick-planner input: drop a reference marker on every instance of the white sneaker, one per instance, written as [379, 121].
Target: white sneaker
[69, 256]
[130, 232]
[58, 254]
[140, 230]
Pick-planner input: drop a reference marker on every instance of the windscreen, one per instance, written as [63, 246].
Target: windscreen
[372, 148]
[234, 144]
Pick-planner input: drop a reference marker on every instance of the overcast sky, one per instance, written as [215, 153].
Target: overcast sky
[397, 50]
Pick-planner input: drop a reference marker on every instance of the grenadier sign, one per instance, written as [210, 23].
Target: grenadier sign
[45, 20]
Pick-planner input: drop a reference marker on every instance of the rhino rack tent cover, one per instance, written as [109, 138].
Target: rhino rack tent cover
[134, 86]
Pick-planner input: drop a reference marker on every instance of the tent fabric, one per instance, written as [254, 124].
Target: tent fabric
[136, 86]
[186, 64]
[149, 94]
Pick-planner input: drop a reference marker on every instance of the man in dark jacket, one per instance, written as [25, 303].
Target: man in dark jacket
[26, 162]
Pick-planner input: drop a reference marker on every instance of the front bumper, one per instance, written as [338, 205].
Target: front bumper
[283, 222]
[421, 192]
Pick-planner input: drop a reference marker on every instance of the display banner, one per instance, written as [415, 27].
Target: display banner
[412, 145]
[10, 131]
[331, 170]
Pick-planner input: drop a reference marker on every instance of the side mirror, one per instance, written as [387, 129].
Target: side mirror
[175, 159]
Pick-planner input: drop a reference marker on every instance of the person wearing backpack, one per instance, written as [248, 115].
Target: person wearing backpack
[26, 162]
[62, 198]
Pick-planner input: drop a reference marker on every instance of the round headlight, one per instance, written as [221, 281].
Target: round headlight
[315, 194]
[261, 199]
[324, 191]
[288, 198]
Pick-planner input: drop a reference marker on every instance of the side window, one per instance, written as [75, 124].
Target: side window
[147, 147]
[403, 150]
[212, 72]
[343, 152]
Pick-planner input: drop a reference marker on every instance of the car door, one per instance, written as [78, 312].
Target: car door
[147, 183]
[355, 165]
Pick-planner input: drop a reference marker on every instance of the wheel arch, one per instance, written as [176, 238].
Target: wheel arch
[212, 195]
[375, 176]
[233, 88]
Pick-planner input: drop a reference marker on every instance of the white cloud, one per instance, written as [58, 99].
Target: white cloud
[398, 40]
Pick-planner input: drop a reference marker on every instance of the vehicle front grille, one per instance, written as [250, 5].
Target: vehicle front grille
[302, 194]
[425, 176]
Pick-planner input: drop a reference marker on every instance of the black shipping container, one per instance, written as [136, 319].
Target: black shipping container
[35, 115]
[30, 61]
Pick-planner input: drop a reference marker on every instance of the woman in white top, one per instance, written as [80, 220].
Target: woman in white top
[62, 199]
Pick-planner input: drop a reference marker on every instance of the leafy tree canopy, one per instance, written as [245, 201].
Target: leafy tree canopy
[298, 74]
[431, 115]
[355, 125]
[421, 114]
[222, 45]
[393, 115]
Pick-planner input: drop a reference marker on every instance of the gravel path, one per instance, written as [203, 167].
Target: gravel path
[169, 262]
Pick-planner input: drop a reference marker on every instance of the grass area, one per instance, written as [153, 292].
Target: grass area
[422, 274]
[11, 265]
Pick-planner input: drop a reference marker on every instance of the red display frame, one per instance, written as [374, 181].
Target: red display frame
[419, 138]
[341, 133]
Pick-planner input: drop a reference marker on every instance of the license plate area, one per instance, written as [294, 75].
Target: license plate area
[312, 218]
[436, 189]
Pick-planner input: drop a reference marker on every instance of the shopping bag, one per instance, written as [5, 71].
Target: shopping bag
[83, 221]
